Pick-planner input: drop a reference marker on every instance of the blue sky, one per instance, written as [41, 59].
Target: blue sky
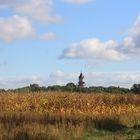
[50, 41]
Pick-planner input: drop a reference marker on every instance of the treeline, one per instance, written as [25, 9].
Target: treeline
[71, 87]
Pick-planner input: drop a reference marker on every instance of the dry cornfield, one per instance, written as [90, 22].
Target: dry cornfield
[67, 115]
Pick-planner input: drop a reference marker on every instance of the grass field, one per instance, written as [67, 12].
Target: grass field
[69, 116]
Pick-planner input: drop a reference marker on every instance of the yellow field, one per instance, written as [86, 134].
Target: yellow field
[40, 112]
[69, 104]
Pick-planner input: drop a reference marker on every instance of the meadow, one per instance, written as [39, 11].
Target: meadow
[69, 116]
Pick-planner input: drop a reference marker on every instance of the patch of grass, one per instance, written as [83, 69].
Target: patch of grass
[94, 133]
[100, 133]
[110, 124]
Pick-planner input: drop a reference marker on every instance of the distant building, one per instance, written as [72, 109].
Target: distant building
[81, 82]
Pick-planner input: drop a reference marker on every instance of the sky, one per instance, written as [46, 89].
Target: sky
[50, 42]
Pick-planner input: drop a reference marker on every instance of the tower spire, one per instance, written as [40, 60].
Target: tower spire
[81, 82]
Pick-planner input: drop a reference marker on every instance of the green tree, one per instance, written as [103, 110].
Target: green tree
[35, 88]
[136, 88]
[70, 87]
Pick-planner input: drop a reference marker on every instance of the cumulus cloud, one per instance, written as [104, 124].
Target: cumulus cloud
[110, 50]
[15, 27]
[27, 11]
[21, 81]
[40, 10]
[57, 78]
[57, 74]
[131, 43]
[122, 79]
[78, 1]
[94, 49]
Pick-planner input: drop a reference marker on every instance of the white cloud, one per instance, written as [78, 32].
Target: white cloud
[57, 78]
[48, 36]
[131, 43]
[21, 81]
[57, 74]
[135, 30]
[122, 79]
[78, 1]
[40, 10]
[15, 27]
[27, 11]
[94, 49]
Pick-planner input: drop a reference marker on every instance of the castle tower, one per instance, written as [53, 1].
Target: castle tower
[81, 82]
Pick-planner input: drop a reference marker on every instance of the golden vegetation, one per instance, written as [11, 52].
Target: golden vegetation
[67, 116]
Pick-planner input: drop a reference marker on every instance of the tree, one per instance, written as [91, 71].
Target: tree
[70, 87]
[136, 88]
[34, 87]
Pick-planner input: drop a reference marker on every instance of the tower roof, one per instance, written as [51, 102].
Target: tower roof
[81, 75]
